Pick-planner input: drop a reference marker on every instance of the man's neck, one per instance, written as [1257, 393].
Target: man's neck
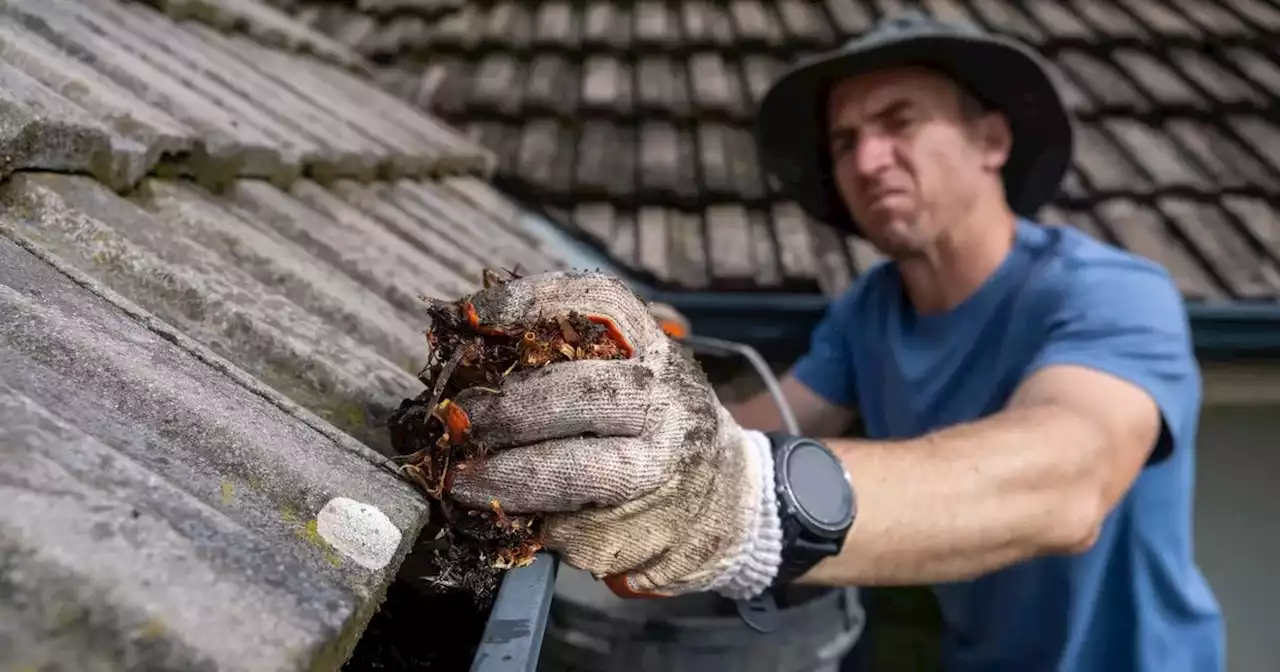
[961, 262]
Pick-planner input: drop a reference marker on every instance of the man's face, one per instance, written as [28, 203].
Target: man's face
[910, 157]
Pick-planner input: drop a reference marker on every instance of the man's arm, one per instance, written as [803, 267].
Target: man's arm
[1035, 479]
[815, 415]
[820, 388]
[1039, 477]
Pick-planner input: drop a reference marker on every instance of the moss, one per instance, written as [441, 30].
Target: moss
[335, 652]
[228, 492]
[126, 125]
[153, 628]
[341, 410]
[310, 533]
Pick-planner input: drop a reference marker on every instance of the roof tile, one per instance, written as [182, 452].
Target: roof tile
[1103, 165]
[851, 17]
[1222, 156]
[731, 256]
[1217, 79]
[263, 23]
[661, 87]
[1107, 18]
[1264, 73]
[1213, 18]
[607, 25]
[704, 24]
[755, 23]
[1161, 83]
[1263, 135]
[1059, 21]
[1260, 218]
[555, 25]
[1257, 12]
[1248, 274]
[1163, 19]
[689, 249]
[656, 25]
[41, 130]
[1004, 17]
[805, 23]
[652, 246]
[1157, 154]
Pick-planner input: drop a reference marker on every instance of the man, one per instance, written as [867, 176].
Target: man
[1030, 395]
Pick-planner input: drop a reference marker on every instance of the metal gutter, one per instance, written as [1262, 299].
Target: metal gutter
[778, 324]
[513, 635]
[1235, 330]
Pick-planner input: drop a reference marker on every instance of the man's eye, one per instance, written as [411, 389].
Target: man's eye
[897, 124]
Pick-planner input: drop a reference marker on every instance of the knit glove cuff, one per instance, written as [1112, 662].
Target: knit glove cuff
[755, 564]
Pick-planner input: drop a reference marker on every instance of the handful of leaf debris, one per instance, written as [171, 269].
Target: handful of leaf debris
[432, 435]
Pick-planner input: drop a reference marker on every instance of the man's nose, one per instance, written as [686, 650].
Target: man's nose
[873, 153]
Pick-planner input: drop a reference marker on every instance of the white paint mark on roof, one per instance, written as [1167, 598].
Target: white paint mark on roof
[359, 531]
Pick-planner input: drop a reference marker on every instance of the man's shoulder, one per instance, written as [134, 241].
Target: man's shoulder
[1079, 264]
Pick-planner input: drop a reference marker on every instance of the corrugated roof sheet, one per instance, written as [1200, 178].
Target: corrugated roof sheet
[632, 120]
[214, 231]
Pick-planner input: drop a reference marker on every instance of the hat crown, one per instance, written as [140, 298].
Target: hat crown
[908, 23]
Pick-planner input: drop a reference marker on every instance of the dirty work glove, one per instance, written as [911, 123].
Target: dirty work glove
[646, 479]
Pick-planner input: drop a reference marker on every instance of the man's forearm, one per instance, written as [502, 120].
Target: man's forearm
[967, 500]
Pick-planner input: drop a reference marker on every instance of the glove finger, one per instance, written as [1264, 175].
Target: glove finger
[548, 294]
[601, 397]
[560, 475]
[647, 542]
[611, 541]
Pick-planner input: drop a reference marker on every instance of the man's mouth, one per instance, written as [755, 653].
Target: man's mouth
[877, 197]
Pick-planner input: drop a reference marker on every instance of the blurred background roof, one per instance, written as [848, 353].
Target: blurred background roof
[629, 122]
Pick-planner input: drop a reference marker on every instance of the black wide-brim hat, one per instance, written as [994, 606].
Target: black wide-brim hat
[791, 126]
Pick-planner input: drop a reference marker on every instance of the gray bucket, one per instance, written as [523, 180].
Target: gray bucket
[591, 630]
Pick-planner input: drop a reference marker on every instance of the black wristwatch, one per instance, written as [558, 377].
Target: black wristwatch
[816, 507]
[816, 503]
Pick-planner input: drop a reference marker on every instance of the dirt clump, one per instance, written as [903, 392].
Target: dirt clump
[469, 548]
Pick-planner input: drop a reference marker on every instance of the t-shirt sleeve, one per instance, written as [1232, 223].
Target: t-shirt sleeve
[1127, 319]
[827, 366]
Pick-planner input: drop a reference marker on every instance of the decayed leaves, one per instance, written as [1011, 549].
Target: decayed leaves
[431, 433]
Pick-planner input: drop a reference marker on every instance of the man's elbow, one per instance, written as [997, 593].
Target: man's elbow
[1077, 523]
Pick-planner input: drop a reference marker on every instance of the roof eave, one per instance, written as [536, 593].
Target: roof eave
[1235, 330]
[778, 324]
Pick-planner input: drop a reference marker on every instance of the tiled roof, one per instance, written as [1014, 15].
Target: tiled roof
[214, 230]
[632, 121]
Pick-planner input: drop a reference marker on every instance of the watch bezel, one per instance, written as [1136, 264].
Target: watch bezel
[793, 504]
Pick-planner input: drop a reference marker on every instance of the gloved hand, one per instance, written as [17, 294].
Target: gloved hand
[646, 479]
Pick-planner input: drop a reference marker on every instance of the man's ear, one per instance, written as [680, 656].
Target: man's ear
[997, 140]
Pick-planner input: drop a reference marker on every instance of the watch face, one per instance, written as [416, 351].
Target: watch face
[819, 487]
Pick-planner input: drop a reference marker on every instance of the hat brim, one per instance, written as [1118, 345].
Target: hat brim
[1003, 74]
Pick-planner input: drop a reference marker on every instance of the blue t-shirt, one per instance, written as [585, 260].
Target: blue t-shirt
[1136, 601]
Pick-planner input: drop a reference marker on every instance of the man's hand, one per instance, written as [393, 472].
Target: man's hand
[645, 478]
